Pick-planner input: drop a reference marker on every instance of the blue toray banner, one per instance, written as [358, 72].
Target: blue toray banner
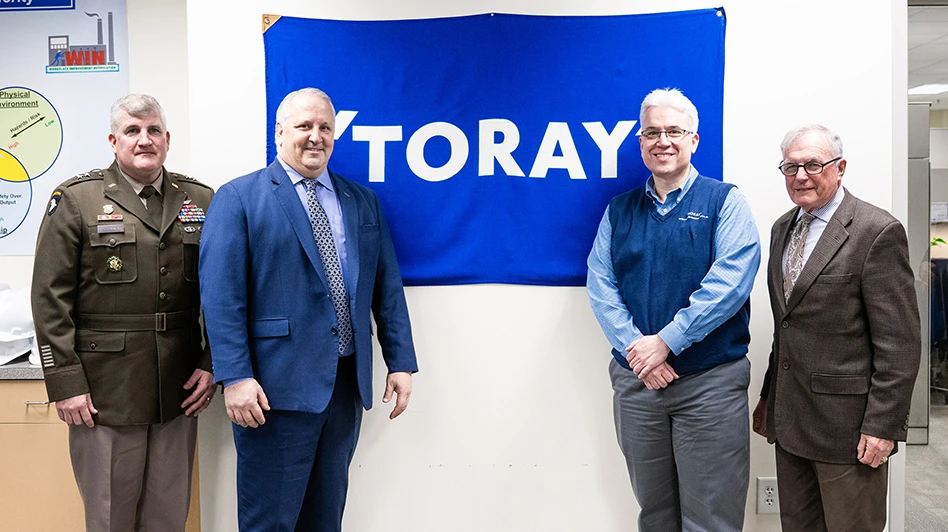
[36, 5]
[495, 142]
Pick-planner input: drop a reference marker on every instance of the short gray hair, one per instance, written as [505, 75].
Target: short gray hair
[673, 98]
[832, 139]
[283, 110]
[137, 105]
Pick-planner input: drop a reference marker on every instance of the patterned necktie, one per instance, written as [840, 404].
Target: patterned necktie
[327, 253]
[152, 203]
[795, 253]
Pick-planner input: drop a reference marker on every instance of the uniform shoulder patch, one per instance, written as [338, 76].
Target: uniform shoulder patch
[54, 202]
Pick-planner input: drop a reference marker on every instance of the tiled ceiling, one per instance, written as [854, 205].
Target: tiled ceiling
[928, 51]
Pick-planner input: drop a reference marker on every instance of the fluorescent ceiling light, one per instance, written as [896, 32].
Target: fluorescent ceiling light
[928, 89]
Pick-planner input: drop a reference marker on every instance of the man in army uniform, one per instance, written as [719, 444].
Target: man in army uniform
[116, 304]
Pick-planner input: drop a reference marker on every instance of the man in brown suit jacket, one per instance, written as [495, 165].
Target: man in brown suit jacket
[116, 305]
[846, 344]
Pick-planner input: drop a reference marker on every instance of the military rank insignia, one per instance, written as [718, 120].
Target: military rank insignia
[115, 264]
[191, 213]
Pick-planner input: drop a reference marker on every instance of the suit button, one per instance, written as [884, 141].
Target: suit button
[334, 331]
[784, 324]
[92, 345]
[162, 296]
[111, 242]
[161, 245]
[785, 366]
[163, 270]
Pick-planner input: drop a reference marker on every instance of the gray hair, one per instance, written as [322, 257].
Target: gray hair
[832, 139]
[673, 98]
[137, 105]
[283, 110]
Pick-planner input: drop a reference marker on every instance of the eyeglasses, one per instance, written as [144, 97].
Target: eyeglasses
[811, 168]
[672, 134]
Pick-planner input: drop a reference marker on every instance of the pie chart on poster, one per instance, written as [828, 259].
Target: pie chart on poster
[30, 130]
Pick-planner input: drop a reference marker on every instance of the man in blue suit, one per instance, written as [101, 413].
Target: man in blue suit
[293, 259]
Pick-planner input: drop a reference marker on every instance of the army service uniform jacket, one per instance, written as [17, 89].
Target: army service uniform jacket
[116, 299]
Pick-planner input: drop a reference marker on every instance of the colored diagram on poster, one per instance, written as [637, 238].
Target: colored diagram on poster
[31, 137]
[30, 129]
[16, 193]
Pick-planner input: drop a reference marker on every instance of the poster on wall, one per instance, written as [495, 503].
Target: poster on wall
[69, 65]
[495, 141]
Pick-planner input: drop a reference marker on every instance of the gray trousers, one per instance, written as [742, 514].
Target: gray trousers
[134, 478]
[687, 447]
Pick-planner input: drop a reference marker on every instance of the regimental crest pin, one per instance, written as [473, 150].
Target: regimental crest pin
[108, 209]
[115, 264]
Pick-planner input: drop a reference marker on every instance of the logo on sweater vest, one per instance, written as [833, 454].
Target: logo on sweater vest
[694, 216]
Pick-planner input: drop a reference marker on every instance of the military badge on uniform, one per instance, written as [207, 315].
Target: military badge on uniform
[108, 209]
[115, 264]
[54, 202]
[191, 213]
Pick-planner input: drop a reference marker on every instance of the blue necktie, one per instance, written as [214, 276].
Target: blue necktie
[327, 253]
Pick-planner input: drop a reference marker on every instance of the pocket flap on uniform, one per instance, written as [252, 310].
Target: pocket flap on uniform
[839, 384]
[112, 239]
[269, 327]
[193, 237]
[370, 228]
[100, 341]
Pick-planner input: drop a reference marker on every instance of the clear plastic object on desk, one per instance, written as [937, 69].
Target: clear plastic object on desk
[16, 324]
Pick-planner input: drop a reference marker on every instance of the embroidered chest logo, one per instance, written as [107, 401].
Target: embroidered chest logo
[693, 216]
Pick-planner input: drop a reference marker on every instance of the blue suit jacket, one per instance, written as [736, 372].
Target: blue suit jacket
[268, 310]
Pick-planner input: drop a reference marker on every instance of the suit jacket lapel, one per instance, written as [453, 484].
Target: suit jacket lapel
[289, 200]
[782, 230]
[173, 199]
[120, 191]
[830, 241]
[350, 218]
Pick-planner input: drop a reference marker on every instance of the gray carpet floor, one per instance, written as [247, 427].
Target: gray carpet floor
[926, 478]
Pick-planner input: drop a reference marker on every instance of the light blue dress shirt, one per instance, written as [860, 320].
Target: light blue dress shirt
[723, 290]
[326, 194]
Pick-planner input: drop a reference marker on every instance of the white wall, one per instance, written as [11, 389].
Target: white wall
[510, 424]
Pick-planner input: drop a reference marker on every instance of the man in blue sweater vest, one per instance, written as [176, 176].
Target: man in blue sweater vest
[669, 277]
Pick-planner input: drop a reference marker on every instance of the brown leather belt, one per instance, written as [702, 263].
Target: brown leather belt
[162, 321]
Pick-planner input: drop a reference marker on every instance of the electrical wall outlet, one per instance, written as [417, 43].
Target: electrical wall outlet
[767, 502]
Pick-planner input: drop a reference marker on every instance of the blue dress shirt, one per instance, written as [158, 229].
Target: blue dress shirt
[326, 194]
[723, 290]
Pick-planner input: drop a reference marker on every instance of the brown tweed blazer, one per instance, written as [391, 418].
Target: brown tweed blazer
[846, 345]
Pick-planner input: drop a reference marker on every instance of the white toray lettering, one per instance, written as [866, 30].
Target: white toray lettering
[490, 150]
